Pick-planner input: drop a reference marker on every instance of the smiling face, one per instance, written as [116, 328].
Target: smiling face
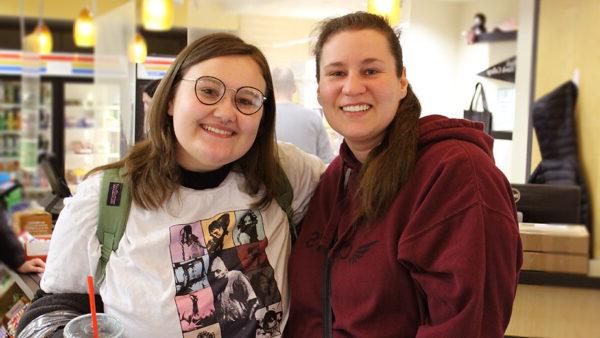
[211, 136]
[359, 89]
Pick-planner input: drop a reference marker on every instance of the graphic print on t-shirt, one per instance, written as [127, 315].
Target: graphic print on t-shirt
[225, 285]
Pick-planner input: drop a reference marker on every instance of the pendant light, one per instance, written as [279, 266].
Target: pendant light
[42, 38]
[157, 15]
[84, 29]
[137, 49]
[387, 8]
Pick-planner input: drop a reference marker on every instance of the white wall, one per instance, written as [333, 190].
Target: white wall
[443, 69]
[431, 55]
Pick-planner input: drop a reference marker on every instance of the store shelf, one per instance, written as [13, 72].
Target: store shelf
[93, 154]
[9, 158]
[497, 36]
[502, 134]
[6, 105]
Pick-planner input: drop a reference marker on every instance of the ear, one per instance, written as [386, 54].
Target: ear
[319, 95]
[403, 83]
[170, 108]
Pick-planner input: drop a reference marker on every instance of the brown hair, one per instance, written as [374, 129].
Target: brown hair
[388, 165]
[151, 167]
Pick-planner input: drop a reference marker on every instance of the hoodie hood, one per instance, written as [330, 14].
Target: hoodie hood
[437, 128]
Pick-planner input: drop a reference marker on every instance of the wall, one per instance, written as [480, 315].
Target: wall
[443, 69]
[430, 47]
[568, 39]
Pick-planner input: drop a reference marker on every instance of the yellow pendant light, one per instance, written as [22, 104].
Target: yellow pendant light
[84, 29]
[387, 8]
[157, 15]
[137, 49]
[42, 39]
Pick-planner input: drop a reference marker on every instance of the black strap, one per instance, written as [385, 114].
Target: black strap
[481, 93]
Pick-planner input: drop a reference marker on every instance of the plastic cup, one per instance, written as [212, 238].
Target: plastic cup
[81, 327]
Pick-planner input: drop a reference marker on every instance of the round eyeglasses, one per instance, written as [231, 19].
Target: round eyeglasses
[210, 90]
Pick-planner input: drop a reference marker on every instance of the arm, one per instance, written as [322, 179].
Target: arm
[463, 251]
[74, 253]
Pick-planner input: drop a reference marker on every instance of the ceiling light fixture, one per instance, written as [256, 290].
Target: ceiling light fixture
[42, 38]
[388, 8]
[157, 15]
[137, 49]
[84, 29]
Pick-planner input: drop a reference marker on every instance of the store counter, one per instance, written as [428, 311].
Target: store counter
[557, 304]
[28, 283]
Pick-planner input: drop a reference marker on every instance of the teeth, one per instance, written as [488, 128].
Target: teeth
[360, 107]
[217, 131]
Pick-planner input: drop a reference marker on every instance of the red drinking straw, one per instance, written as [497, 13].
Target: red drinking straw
[90, 282]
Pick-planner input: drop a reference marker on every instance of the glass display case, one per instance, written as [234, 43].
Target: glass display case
[11, 128]
[92, 133]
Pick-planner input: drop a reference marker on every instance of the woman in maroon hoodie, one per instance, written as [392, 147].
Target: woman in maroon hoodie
[412, 230]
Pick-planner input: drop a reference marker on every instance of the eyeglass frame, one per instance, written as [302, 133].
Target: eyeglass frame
[235, 91]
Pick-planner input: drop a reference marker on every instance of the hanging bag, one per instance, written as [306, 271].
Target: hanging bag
[484, 116]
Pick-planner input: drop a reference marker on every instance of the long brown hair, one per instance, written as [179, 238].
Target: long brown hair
[388, 165]
[151, 167]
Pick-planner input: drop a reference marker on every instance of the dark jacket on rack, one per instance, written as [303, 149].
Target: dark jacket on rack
[554, 123]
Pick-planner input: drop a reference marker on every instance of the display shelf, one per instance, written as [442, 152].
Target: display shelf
[9, 105]
[497, 36]
[9, 158]
[502, 134]
[92, 154]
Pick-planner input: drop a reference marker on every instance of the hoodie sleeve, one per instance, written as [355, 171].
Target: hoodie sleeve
[462, 248]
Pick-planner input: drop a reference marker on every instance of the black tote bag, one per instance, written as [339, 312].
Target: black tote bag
[485, 115]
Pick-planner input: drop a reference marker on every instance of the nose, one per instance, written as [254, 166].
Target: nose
[353, 85]
[226, 109]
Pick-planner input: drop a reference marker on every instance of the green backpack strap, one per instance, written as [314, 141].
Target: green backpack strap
[115, 201]
[284, 198]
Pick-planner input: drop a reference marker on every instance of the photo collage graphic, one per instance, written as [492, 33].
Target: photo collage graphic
[225, 286]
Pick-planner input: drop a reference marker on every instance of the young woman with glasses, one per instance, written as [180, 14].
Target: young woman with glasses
[210, 156]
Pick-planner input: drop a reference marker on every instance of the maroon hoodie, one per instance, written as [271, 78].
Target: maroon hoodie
[442, 262]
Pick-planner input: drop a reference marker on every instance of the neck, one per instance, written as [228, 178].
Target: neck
[361, 150]
[360, 153]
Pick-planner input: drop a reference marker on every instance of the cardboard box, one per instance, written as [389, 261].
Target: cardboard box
[35, 246]
[555, 248]
[551, 262]
[37, 223]
[567, 239]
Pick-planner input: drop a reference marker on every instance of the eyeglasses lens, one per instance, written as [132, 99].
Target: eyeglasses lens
[211, 90]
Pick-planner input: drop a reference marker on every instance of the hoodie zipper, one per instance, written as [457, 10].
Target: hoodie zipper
[327, 309]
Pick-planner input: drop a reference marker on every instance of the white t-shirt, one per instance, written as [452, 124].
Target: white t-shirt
[183, 269]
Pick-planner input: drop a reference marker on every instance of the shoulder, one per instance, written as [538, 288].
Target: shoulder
[294, 160]
[454, 153]
[461, 171]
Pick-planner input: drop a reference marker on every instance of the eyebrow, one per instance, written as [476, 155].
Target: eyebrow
[363, 62]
